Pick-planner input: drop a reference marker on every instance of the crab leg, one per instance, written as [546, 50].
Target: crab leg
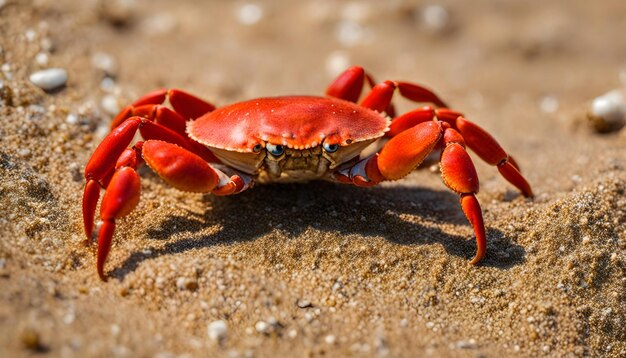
[186, 106]
[176, 165]
[488, 149]
[477, 138]
[120, 199]
[170, 125]
[405, 151]
[459, 174]
[349, 85]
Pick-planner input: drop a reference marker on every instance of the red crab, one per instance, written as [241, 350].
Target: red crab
[198, 148]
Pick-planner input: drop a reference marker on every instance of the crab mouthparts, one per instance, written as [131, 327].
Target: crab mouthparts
[297, 165]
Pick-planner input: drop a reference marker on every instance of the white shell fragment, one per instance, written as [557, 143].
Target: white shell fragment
[608, 112]
[49, 79]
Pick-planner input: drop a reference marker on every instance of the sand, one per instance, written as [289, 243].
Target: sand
[317, 269]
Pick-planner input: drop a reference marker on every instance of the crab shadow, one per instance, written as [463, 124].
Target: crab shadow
[342, 209]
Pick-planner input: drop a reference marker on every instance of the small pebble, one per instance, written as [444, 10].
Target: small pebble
[217, 330]
[304, 303]
[107, 84]
[435, 17]
[49, 79]
[337, 62]
[249, 14]
[330, 339]
[468, 344]
[185, 283]
[261, 327]
[117, 12]
[115, 330]
[608, 111]
[105, 63]
[46, 44]
[71, 118]
[549, 104]
[41, 59]
[159, 24]
[109, 104]
[350, 33]
[31, 35]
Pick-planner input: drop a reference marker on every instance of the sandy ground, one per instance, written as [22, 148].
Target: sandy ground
[317, 269]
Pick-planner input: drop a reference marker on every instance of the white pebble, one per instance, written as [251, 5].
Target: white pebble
[217, 330]
[105, 63]
[350, 33]
[466, 344]
[435, 17]
[2, 3]
[159, 24]
[46, 44]
[24, 152]
[49, 79]
[115, 330]
[107, 84]
[249, 14]
[110, 105]
[304, 303]
[549, 104]
[41, 59]
[261, 327]
[185, 283]
[31, 35]
[337, 62]
[71, 118]
[330, 339]
[611, 107]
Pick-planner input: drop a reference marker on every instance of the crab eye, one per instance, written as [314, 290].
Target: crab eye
[275, 150]
[330, 148]
[257, 148]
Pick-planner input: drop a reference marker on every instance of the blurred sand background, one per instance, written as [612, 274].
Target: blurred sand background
[316, 269]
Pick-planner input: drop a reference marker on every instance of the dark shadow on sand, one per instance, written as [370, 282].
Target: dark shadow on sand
[326, 207]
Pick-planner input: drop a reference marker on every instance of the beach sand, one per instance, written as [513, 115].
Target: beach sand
[317, 269]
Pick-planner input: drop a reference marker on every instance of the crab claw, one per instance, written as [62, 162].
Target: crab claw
[120, 199]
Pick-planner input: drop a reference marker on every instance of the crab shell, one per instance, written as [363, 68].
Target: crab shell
[296, 122]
